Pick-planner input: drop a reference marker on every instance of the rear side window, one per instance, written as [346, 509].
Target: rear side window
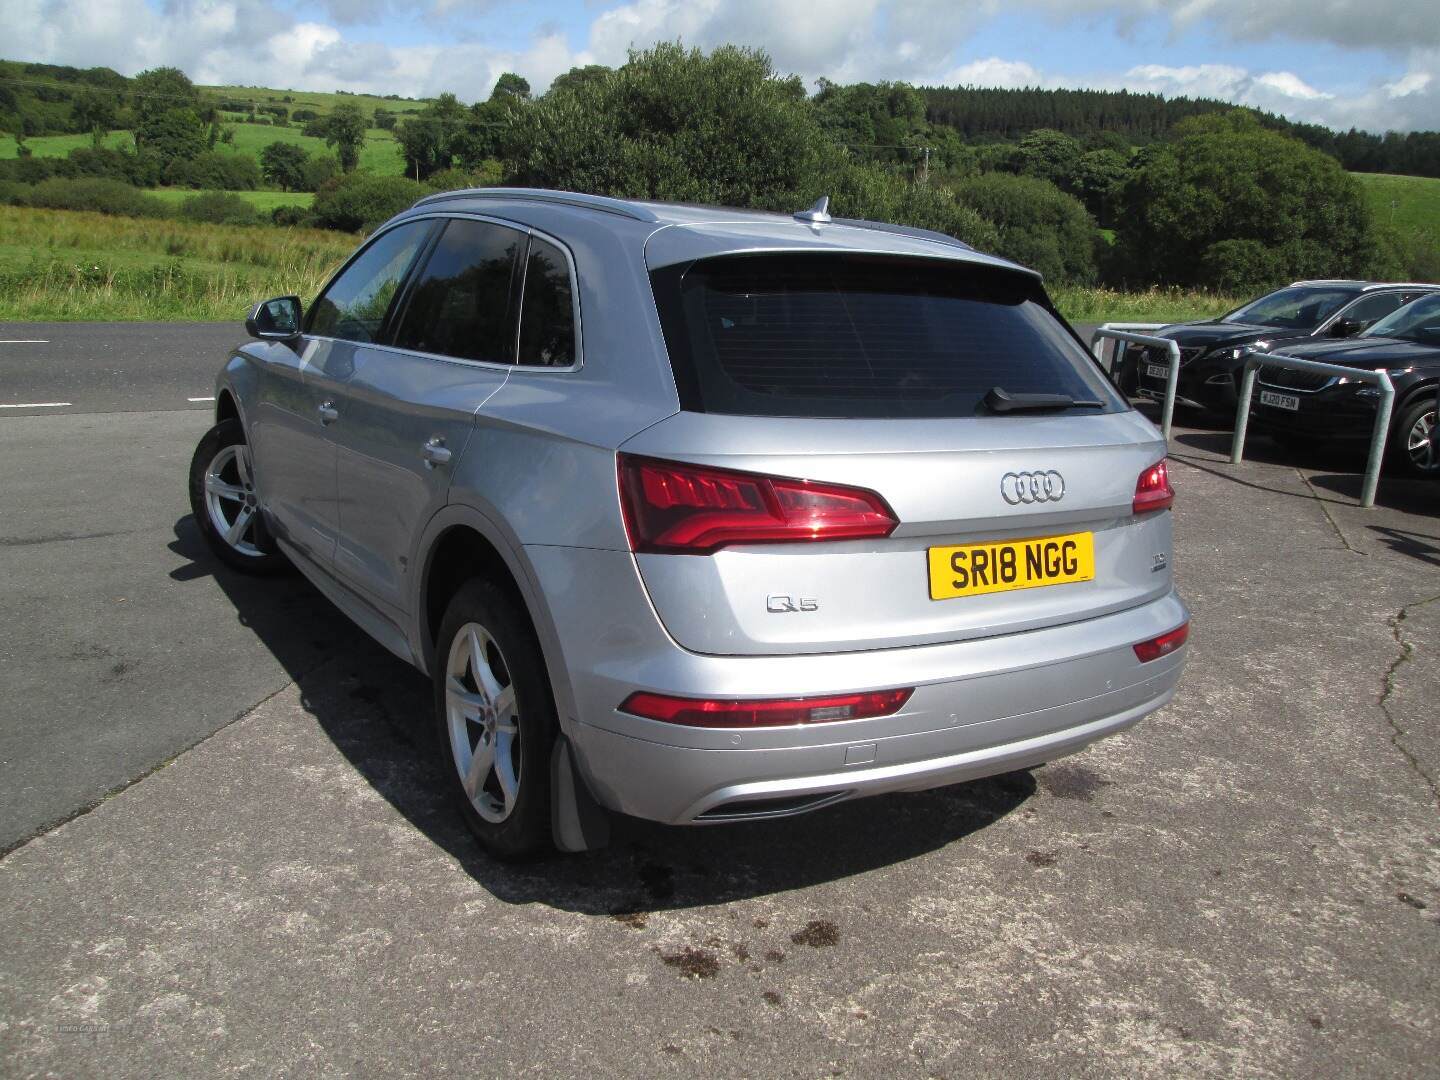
[858, 336]
[460, 303]
[547, 314]
[353, 307]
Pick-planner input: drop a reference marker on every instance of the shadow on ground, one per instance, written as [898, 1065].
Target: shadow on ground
[377, 712]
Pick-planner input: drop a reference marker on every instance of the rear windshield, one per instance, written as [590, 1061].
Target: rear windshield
[860, 336]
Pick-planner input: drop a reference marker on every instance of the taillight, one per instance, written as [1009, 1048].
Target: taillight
[698, 712]
[1164, 645]
[1153, 490]
[680, 509]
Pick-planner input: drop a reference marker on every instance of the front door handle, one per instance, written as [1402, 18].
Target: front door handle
[328, 413]
[435, 453]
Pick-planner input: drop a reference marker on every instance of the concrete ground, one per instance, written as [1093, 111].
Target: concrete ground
[1248, 882]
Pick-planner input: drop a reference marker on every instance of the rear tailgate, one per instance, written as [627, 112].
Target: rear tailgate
[943, 479]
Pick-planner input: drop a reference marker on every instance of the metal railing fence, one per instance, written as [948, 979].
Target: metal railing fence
[1122, 332]
[1382, 414]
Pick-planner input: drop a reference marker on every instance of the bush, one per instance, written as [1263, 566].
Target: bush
[103, 196]
[1241, 266]
[362, 200]
[315, 172]
[215, 171]
[1038, 225]
[290, 215]
[219, 208]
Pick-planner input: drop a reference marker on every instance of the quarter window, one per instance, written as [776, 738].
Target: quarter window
[353, 308]
[460, 303]
[547, 315]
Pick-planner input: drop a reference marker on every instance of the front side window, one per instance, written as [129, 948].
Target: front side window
[353, 307]
[547, 315]
[1418, 321]
[861, 336]
[460, 303]
[1300, 307]
[1374, 307]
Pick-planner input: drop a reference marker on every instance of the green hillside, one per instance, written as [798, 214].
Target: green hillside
[310, 99]
[1409, 203]
[380, 153]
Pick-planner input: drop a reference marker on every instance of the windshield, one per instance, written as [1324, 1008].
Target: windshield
[1301, 307]
[1417, 321]
[857, 336]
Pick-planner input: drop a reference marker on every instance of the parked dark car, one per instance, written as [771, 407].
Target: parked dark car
[1310, 408]
[1212, 352]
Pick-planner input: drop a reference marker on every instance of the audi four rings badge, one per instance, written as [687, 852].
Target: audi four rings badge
[1032, 487]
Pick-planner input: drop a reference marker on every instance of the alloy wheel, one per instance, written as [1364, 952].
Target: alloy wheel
[1417, 442]
[484, 723]
[230, 499]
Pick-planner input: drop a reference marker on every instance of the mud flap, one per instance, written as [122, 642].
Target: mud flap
[577, 821]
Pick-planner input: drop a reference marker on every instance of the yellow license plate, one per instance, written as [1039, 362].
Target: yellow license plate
[972, 569]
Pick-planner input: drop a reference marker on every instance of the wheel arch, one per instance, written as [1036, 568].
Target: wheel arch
[1425, 388]
[460, 543]
[226, 407]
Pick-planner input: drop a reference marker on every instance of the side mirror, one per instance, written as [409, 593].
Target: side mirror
[1344, 328]
[275, 320]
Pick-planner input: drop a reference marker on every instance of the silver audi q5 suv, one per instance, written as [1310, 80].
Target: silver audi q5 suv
[703, 515]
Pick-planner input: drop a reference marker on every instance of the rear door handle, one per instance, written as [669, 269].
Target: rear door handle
[435, 453]
[328, 413]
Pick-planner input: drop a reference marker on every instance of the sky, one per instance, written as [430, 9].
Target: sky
[1372, 64]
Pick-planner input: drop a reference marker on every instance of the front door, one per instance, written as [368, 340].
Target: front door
[408, 407]
[295, 454]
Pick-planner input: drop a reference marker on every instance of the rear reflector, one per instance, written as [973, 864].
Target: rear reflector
[1164, 645]
[1153, 490]
[696, 712]
[678, 509]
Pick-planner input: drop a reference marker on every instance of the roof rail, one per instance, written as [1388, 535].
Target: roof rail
[1401, 285]
[566, 198]
[1332, 281]
[904, 230]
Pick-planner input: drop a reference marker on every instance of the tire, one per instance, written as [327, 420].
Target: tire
[222, 496]
[509, 709]
[1411, 453]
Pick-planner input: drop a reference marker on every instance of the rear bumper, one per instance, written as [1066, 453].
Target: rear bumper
[979, 707]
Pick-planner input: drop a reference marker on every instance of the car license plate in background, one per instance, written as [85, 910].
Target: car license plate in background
[1157, 371]
[1280, 401]
[972, 569]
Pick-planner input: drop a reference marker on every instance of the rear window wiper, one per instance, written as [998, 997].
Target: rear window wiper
[1000, 400]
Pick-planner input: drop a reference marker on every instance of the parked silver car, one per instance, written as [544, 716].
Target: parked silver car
[700, 514]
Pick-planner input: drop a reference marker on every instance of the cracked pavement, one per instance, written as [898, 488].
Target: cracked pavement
[1247, 882]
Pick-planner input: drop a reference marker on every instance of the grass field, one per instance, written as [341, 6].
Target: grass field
[380, 154]
[264, 201]
[311, 99]
[63, 265]
[1409, 203]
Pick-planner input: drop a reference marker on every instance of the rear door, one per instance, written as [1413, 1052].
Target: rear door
[408, 405]
[872, 374]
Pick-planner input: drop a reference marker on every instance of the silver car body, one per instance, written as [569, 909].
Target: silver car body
[344, 440]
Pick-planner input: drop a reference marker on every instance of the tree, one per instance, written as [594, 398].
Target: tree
[1047, 154]
[168, 113]
[1097, 179]
[510, 85]
[384, 119]
[577, 77]
[284, 165]
[676, 124]
[1228, 178]
[443, 131]
[344, 131]
[1038, 225]
[93, 111]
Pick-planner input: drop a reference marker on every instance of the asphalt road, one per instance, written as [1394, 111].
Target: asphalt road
[110, 367]
[1248, 882]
